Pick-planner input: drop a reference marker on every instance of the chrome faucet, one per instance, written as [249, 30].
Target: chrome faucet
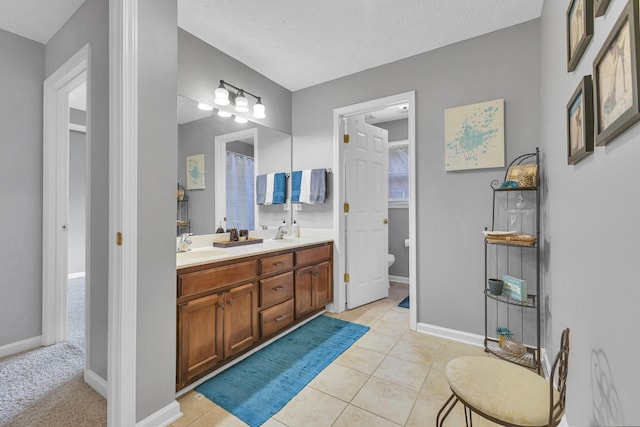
[184, 242]
[282, 230]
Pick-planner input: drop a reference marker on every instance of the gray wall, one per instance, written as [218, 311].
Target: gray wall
[77, 211]
[452, 208]
[590, 242]
[90, 24]
[21, 77]
[157, 148]
[201, 67]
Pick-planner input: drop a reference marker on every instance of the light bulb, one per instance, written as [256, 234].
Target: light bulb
[222, 96]
[242, 105]
[205, 107]
[258, 110]
[223, 113]
[239, 119]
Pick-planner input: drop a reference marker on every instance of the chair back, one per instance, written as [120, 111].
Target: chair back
[560, 369]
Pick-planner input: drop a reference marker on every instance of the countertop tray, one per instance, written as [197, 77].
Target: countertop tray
[230, 244]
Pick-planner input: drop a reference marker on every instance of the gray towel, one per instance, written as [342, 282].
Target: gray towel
[261, 189]
[318, 186]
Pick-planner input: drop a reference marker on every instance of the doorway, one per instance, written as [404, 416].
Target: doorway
[340, 114]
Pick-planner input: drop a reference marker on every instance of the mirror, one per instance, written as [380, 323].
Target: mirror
[229, 148]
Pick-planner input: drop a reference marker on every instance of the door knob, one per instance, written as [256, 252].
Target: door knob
[386, 221]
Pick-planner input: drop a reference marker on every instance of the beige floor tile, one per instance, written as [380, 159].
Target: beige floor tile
[388, 400]
[414, 352]
[377, 342]
[402, 372]
[273, 423]
[398, 315]
[356, 417]
[436, 385]
[424, 340]
[460, 349]
[360, 359]
[425, 413]
[392, 329]
[398, 291]
[193, 405]
[311, 408]
[339, 381]
[217, 417]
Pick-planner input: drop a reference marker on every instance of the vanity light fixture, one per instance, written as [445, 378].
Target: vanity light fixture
[205, 107]
[239, 99]
[223, 113]
[239, 119]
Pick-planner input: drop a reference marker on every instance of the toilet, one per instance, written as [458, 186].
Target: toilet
[390, 260]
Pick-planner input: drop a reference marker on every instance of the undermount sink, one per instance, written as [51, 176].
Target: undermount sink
[201, 253]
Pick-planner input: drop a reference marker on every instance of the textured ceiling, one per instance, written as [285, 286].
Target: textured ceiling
[37, 20]
[301, 43]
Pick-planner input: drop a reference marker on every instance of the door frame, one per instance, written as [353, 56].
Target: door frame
[57, 86]
[339, 191]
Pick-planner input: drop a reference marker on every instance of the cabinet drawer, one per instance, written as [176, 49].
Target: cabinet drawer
[275, 289]
[277, 317]
[313, 255]
[276, 263]
[214, 278]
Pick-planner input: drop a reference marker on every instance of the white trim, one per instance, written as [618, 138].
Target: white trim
[338, 191]
[20, 346]
[220, 142]
[399, 279]
[123, 212]
[76, 275]
[96, 382]
[77, 128]
[55, 174]
[162, 417]
[398, 205]
[451, 334]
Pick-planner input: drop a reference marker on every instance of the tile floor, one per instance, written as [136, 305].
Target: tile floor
[392, 376]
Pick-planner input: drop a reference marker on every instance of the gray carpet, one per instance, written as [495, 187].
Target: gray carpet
[45, 386]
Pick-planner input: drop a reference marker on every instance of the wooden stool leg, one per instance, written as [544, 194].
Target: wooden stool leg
[439, 423]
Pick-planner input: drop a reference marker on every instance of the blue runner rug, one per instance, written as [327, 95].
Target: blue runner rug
[404, 303]
[259, 386]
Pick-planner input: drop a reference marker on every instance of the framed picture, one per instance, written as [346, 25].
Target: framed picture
[195, 172]
[579, 30]
[474, 136]
[600, 7]
[580, 122]
[615, 78]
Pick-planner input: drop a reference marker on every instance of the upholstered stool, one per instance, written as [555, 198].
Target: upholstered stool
[506, 393]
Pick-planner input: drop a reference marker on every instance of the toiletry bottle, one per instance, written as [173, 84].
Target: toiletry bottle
[295, 230]
[220, 229]
[233, 234]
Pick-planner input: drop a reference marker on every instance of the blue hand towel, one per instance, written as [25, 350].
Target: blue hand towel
[296, 180]
[279, 187]
[261, 189]
[318, 188]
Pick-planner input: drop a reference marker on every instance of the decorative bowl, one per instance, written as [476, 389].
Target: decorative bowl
[495, 286]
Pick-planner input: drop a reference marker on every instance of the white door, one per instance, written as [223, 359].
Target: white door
[366, 183]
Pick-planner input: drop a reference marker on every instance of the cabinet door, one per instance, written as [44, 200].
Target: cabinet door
[241, 318]
[200, 337]
[304, 291]
[323, 284]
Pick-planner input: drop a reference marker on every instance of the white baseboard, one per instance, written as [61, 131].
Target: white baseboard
[96, 382]
[20, 346]
[162, 417]
[399, 279]
[75, 275]
[478, 341]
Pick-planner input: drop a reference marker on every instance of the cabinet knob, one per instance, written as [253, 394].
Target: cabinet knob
[386, 221]
[230, 302]
[278, 288]
[281, 318]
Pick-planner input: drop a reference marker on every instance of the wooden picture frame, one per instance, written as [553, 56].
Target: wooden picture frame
[600, 7]
[615, 78]
[579, 30]
[580, 122]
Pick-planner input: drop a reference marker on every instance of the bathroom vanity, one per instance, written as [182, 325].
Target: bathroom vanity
[231, 300]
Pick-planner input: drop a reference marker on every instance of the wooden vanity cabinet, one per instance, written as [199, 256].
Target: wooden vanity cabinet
[314, 279]
[240, 319]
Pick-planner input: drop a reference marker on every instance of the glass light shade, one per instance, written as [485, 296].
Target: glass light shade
[223, 113]
[239, 119]
[242, 105]
[222, 96]
[205, 107]
[258, 110]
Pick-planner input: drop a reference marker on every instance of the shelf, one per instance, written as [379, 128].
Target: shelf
[516, 189]
[530, 302]
[528, 360]
[517, 243]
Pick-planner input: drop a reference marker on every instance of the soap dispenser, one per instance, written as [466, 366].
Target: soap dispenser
[233, 234]
[295, 230]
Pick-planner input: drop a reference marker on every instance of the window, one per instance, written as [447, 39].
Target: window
[399, 172]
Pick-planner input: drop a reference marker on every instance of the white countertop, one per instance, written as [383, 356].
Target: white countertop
[203, 252]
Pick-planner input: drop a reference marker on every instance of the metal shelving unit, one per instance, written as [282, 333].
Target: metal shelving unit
[524, 260]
